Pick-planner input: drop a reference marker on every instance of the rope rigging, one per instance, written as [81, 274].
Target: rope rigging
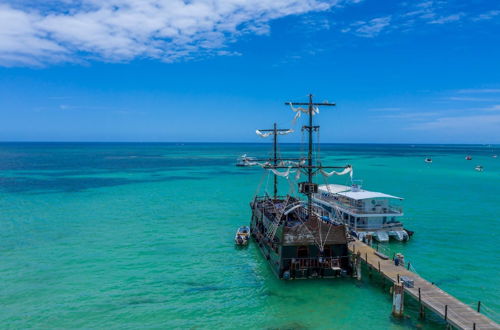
[307, 213]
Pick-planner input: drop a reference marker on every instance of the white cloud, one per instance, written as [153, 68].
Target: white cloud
[411, 115]
[368, 29]
[448, 19]
[470, 99]
[495, 107]
[385, 109]
[487, 123]
[483, 90]
[425, 4]
[33, 33]
[407, 18]
[20, 42]
[487, 16]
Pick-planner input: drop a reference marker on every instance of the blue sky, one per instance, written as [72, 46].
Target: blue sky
[171, 70]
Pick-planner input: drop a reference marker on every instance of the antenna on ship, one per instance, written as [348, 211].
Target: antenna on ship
[274, 132]
[308, 188]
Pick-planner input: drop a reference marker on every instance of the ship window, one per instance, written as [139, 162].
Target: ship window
[302, 252]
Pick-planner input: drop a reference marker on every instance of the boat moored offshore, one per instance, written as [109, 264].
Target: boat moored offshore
[245, 160]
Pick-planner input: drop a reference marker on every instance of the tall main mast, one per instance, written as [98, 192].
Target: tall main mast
[275, 159]
[310, 187]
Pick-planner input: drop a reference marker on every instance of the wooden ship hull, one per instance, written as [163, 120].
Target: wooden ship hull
[294, 251]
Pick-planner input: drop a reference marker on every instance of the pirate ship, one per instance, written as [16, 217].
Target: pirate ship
[292, 233]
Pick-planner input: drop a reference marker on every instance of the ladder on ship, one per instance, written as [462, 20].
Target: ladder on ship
[271, 232]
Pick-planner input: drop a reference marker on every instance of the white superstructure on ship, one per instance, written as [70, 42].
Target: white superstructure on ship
[364, 212]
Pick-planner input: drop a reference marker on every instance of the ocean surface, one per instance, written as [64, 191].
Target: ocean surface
[121, 236]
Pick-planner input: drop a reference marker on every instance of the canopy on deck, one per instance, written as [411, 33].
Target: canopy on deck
[354, 193]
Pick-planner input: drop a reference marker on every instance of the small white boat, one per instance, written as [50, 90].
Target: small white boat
[245, 160]
[242, 235]
[428, 160]
[494, 156]
[468, 157]
[479, 168]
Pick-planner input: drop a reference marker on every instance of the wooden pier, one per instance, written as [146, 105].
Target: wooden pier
[429, 296]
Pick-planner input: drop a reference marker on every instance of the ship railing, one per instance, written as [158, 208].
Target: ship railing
[386, 226]
[390, 209]
[318, 262]
[267, 197]
[392, 225]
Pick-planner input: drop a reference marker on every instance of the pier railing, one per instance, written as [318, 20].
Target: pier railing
[426, 293]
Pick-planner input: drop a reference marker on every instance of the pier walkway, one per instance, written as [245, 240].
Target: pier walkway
[453, 311]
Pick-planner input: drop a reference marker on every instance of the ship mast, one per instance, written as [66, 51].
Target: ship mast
[275, 131]
[309, 187]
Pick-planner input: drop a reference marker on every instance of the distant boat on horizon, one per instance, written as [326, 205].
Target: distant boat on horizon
[245, 160]
[468, 157]
[428, 160]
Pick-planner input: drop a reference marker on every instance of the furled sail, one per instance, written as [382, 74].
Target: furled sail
[298, 111]
[282, 174]
[266, 134]
[292, 163]
[257, 163]
[348, 169]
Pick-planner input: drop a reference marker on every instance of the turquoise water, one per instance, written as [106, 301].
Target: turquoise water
[141, 236]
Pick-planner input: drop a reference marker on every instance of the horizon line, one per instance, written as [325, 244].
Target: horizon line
[238, 142]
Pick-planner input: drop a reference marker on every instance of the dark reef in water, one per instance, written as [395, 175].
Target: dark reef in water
[65, 184]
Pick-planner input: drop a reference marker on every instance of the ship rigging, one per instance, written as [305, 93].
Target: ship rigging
[291, 233]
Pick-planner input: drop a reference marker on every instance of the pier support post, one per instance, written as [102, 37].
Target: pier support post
[398, 300]
[422, 311]
[358, 266]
